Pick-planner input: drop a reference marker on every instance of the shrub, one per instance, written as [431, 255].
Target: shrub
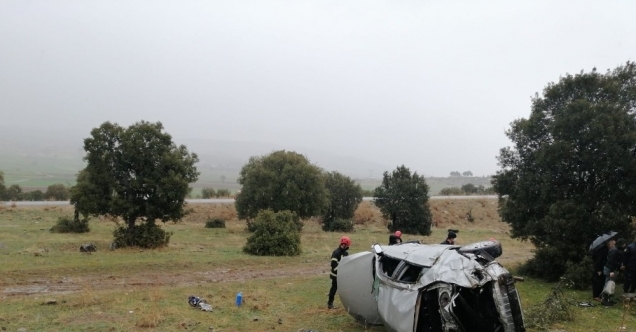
[545, 264]
[275, 234]
[215, 223]
[367, 193]
[338, 225]
[208, 193]
[58, 192]
[146, 235]
[579, 274]
[469, 215]
[251, 223]
[70, 225]
[452, 191]
[36, 195]
[223, 193]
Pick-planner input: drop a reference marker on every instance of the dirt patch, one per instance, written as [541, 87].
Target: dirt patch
[42, 286]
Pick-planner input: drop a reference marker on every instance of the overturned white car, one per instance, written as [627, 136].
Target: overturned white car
[433, 288]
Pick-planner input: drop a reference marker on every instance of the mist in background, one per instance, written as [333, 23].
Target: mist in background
[357, 86]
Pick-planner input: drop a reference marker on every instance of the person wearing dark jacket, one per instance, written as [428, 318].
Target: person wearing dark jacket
[629, 262]
[336, 256]
[450, 239]
[613, 264]
[598, 279]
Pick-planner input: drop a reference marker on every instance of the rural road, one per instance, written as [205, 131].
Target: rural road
[221, 200]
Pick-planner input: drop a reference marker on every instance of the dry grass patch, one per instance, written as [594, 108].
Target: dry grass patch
[200, 213]
[366, 213]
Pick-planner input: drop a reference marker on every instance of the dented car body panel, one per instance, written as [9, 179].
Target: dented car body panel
[430, 288]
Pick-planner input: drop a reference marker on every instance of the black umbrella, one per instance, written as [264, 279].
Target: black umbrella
[600, 241]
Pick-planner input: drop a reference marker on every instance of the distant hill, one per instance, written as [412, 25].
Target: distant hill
[43, 161]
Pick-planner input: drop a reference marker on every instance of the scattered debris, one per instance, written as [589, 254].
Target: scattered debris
[50, 301]
[205, 306]
[88, 247]
[197, 302]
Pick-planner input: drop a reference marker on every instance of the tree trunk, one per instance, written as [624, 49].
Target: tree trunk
[131, 224]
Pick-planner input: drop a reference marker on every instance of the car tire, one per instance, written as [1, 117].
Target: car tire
[492, 248]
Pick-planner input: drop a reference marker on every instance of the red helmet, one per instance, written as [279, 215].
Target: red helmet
[345, 240]
[398, 233]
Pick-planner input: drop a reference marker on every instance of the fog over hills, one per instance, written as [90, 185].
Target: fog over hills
[54, 147]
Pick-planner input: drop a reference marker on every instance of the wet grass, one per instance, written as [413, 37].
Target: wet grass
[30, 256]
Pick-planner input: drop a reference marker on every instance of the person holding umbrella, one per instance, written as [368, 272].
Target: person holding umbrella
[614, 262]
[599, 249]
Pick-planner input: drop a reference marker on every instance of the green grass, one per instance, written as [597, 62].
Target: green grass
[155, 284]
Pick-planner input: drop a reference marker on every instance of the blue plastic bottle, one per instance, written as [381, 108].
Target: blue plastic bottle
[239, 299]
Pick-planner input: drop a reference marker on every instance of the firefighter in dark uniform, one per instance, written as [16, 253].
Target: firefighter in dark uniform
[395, 238]
[337, 254]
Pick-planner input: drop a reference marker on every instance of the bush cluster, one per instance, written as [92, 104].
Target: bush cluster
[546, 265]
[338, 225]
[275, 234]
[579, 274]
[211, 193]
[70, 225]
[146, 235]
[215, 223]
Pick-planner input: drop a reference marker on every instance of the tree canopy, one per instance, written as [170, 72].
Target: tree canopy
[134, 173]
[571, 172]
[3, 189]
[403, 198]
[344, 195]
[57, 192]
[282, 180]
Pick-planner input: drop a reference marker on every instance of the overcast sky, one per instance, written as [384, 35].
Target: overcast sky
[429, 84]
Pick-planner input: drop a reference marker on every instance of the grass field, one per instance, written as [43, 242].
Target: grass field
[140, 290]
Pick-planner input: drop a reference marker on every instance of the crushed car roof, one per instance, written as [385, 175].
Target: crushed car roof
[446, 264]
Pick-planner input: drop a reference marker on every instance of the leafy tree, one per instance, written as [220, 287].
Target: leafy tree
[452, 191]
[208, 193]
[467, 173]
[57, 191]
[469, 189]
[489, 191]
[14, 193]
[403, 198]
[36, 195]
[275, 234]
[344, 195]
[282, 180]
[3, 189]
[455, 174]
[367, 193]
[223, 193]
[138, 174]
[571, 173]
